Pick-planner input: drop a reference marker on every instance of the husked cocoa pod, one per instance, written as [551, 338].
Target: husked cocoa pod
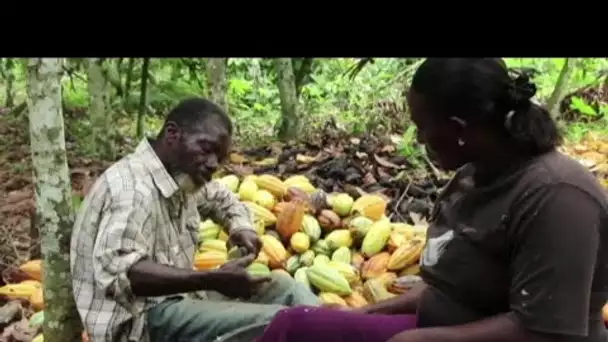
[328, 220]
[318, 201]
[293, 193]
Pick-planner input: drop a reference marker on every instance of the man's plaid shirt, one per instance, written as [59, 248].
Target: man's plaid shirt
[136, 210]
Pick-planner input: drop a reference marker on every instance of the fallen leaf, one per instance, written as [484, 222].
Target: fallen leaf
[387, 163]
[304, 159]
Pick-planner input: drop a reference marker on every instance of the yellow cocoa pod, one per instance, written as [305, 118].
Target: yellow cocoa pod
[250, 178]
[213, 245]
[406, 229]
[222, 236]
[411, 270]
[231, 182]
[36, 299]
[264, 199]
[234, 253]
[370, 206]
[307, 258]
[261, 214]
[321, 259]
[273, 233]
[307, 187]
[376, 238]
[275, 251]
[262, 258]
[259, 227]
[395, 240]
[295, 179]
[387, 277]
[328, 279]
[375, 266]
[356, 300]
[19, 291]
[347, 270]
[299, 242]
[374, 291]
[33, 269]
[341, 204]
[290, 219]
[38, 338]
[339, 238]
[357, 260]
[405, 255]
[359, 226]
[331, 298]
[209, 260]
[258, 270]
[247, 190]
[301, 276]
[272, 184]
[311, 227]
[342, 254]
[208, 229]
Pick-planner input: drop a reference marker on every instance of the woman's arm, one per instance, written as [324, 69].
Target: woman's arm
[553, 258]
[406, 303]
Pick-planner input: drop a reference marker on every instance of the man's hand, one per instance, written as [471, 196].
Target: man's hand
[247, 239]
[235, 282]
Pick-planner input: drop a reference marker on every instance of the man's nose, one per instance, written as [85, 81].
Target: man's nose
[212, 162]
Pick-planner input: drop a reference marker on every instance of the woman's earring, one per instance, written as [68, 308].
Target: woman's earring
[460, 142]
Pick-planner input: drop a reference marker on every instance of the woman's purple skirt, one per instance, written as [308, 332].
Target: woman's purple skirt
[319, 324]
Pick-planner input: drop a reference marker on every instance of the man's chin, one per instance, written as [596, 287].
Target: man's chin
[187, 183]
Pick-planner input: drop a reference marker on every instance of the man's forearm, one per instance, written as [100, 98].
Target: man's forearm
[149, 279]
[406, 303]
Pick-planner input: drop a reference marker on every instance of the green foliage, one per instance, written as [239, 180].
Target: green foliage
[372, 100]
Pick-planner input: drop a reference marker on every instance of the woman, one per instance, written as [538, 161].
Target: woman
[518, 245]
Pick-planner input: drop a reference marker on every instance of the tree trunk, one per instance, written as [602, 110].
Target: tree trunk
[53, 198]
[216, 81]
[288, 127]
[101, 117]
[10, 82]
[302, 73]
[143, 98]
[129, 78]
[561, 87]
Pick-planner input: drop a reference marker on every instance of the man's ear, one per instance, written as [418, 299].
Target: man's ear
[172, 133]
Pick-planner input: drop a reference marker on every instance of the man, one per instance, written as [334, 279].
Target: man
[135, 238]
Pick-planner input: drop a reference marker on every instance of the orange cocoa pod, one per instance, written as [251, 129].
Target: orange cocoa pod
[356, 300]
[290, 219]
[375, 266]
[278, 208]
